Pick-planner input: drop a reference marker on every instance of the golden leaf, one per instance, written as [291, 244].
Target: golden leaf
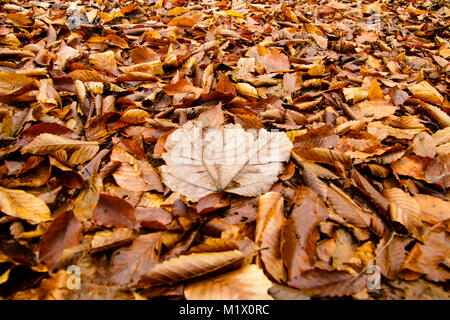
[246, 283]
[23, 205]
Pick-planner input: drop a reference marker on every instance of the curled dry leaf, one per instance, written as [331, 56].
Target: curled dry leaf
[437, 171]
[404, 210]
[214, 245]
[190, 266]
[424, 91]
[229, 159]
[107, 239]
[246, 283]
[347, 208]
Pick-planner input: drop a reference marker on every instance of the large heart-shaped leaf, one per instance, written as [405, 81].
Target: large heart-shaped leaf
[227, 159]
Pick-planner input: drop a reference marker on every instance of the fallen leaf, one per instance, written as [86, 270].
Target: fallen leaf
[328, 283]
[246, 283]
[190, 266]
[47, 143]
[112, 211]
[130, 263]
[268, 234]
[23, 205]
[63, 233]
[426, 92]
[404, 210]
[230, 166]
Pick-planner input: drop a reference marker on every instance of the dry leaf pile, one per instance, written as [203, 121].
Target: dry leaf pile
[93, 95]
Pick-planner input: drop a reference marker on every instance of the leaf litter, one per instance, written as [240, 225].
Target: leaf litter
[224, 150]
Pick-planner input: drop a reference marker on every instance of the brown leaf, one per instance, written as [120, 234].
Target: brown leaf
[367, 189]
[182, 86]
[47, 143]
[434, 210]
[424, 145]
[47, 95]
[425, 258]
[300, 232]
[63, 233]
[347, 208]
[212, 202]
[23, 205]
[272, 60]
[437, 171]
[214, 245]
[13, 84]
[246, 283]
[130, 263]
[268, 234]
[104, 61]
[65, 55]
[390, 255]
[107, 239]
[286, 293]
[213, 117]
[190, 266]
[411, 165]
[186, 20]
[112, 211]
[323, 137]
[375, 92]
[426, 92]
[153, 218]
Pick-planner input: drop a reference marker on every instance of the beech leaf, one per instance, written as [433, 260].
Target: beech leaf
[23, 205]
[246, 283]
[227, 159]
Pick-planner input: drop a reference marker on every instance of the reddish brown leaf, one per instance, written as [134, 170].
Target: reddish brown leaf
[323, 137]
[212, 202]
[63, 233]
[300, 232]
[112, 211]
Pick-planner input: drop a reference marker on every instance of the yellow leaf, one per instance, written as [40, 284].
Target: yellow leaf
[177, 11]
[23, 205]
[233, 13]
[5, 276]
[425, 92]
[247, 283]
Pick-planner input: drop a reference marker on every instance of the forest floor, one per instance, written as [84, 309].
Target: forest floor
[224, 149]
